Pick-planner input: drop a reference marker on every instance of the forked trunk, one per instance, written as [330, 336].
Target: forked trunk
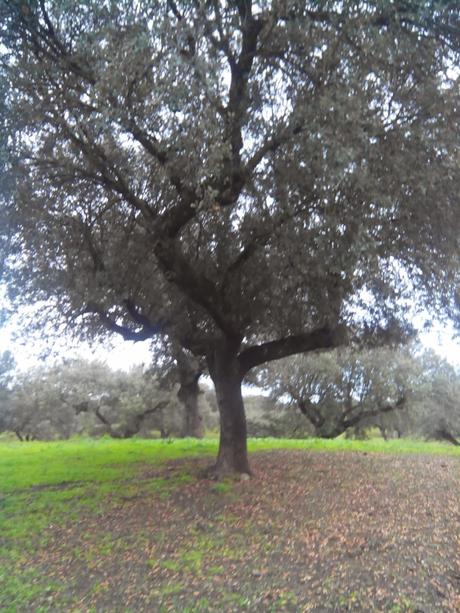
[233, 452]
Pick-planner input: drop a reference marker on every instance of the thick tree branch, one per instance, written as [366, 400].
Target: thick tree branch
[136, 421]
[444, 435]
[176, 268]
[180, 215]
[96, 256]
[259, 239]
[110, 176]
[348, 422]
[201, 290]
[46, 42]
[233, 178]
[154, 148]
[222, 42]
[147, 331]
[136, 315]
[175, 11]
[322, 338]
[270, 145]
[307, 408]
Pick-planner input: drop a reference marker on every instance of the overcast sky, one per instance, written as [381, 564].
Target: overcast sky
[124, 354]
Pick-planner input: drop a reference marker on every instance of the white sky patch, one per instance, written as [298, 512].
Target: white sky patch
[120, 354]
[441, 338]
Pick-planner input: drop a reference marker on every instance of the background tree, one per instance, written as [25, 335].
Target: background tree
[176, 365]
[123, 404]
[7, 366]
[37, 408]
[268, 417]
[435, 412]
[254, 180]
[403, 392]
[342, 389]
[87, 397]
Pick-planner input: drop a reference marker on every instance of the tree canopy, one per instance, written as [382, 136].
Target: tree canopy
[402, 391]
[344, 389]
[57, 401]
[252, 179]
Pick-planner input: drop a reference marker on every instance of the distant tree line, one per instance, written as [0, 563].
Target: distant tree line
[400, 392]
[87, 397]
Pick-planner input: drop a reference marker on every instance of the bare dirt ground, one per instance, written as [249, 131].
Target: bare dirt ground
[311, 532]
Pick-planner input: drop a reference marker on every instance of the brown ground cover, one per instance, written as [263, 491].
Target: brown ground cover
[311, 532]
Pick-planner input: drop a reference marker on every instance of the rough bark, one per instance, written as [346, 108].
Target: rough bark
[224, 369]
[321, 338]
[189, 370]
[188, 395]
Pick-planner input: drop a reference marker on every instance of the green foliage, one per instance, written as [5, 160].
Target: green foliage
[283, 423]
[402, 391]
[80, 396]
[7, 365]
[233, 173]
[87, 397]
[185, 148]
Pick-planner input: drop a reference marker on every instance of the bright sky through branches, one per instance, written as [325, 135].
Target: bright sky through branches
[124, 354]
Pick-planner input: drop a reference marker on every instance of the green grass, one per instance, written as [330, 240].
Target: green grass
[59, 472]
[99, 461]
[40, 481]
[51, 483]
[45, 484]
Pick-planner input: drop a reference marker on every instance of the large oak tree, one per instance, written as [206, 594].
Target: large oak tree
[253, 179]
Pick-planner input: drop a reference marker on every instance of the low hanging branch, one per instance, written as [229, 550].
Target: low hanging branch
[322, 338]
[134, 422]
[363, 415]
[147, 331]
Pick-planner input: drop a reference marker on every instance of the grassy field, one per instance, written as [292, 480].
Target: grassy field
[54, 491]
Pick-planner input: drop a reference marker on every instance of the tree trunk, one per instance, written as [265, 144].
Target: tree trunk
[233, 453]
[189, 371]
[330, 430]
[188, 395]
[329, 434]
[444, 435]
